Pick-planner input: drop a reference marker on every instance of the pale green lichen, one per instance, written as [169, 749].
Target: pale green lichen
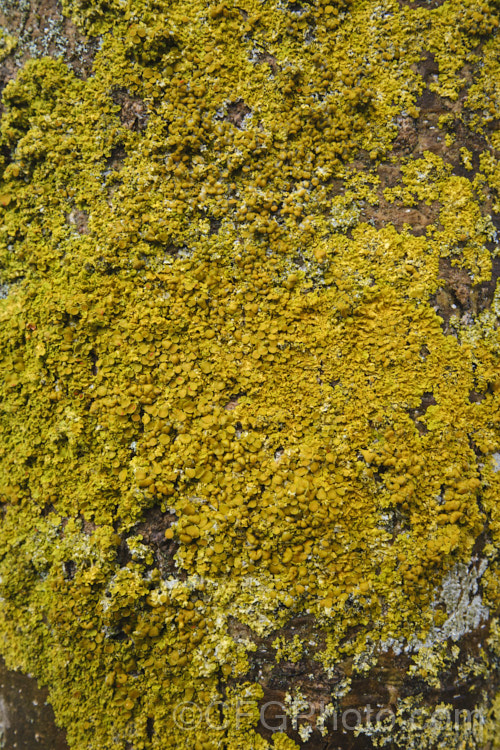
[8, 43]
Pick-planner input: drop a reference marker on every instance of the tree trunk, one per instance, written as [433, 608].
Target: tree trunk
[250, 349]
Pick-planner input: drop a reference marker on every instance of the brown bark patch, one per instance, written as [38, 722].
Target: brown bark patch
[459, 296]
[79, 220]
[265, 57]
[152, 529]
[373, 692]
[133, 111]
[237, 111]
[26, 719]
[42, 30]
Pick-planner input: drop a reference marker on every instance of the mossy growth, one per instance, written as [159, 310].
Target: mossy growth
[199, 316]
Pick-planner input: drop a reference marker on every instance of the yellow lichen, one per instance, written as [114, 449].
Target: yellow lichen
[223, 335]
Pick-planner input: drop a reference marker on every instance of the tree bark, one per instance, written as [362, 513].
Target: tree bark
[250, 469]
